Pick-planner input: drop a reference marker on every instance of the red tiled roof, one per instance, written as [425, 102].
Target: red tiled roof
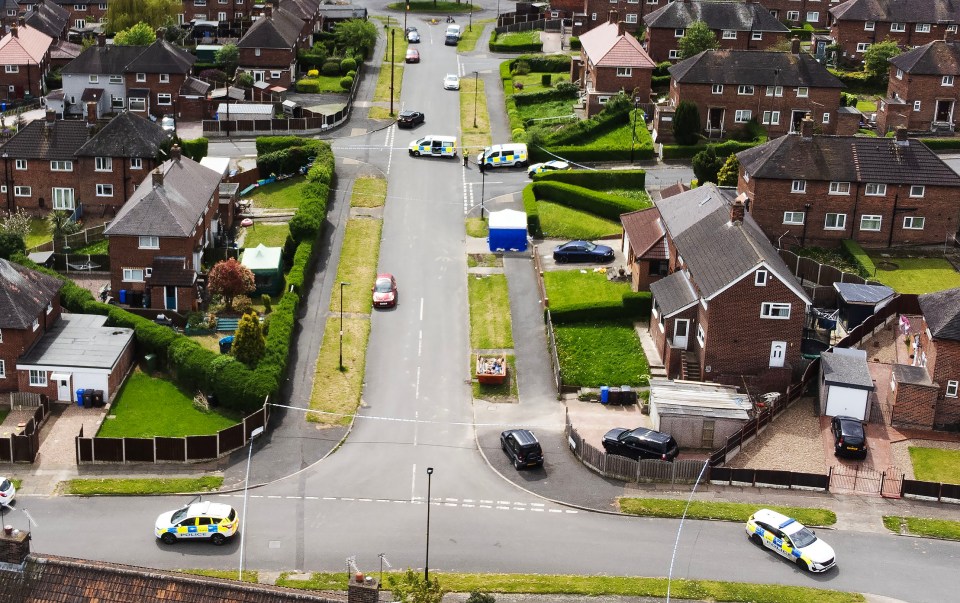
[27, 47]
[645, 232]
[605, 47]
[674, 189]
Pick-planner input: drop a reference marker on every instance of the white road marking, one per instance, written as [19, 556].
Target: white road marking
[413, 475]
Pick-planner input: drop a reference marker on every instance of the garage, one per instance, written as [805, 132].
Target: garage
[845, 384]
[697, 415]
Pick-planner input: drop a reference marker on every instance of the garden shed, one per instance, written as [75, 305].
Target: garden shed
[845, 383]
[266, 263]
[235, 111]
[697, 415]
[508, 230]
[859, 302]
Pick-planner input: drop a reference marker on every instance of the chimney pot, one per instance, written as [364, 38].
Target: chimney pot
[14, 545]
[8, 530]
[806, 127]
[14, 31]
[51, 116]
[795, 45]
[158, 177]
[175, 152]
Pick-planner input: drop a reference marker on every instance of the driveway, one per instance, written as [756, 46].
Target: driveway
[545, 250]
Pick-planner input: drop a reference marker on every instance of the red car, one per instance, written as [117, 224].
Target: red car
[385, 291]
[413, 55]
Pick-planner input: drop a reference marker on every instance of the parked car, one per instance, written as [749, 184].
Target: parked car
[582, 251]
[409, 29]
[168, 123]
[203, 520]
[451, 82]
[791, 539]
[547, 166]
[849, 438]
[7, 492]
[640, 443]
[413, 55]
[522, 448]
[385, 291]
[408, 119]
[413, 36]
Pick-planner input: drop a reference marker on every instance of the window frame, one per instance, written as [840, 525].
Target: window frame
[679, 32]
[164, 99]
[102, 188]
[57, 194]
[773, 310]
[716, 88]
[955, 386]
[136, 163]
[879, 189]
[18, 191]
[920, 193]
[871, 218]
[836, 188]
[947, 80]
[792, 217]
[803, 92]
[898, 27]
[869, 25]
[761, 278]
[756, 36]
[921, 28]
[103, 164]
[862, 47]
[840, 221]
[128, 275]
[798, 186]
[61, 165]
[912, 220]
[746, 89]
[770, 118]
[624, 72]
[38, 378]
[742, 116]
[21, 164]
[728, 34]
[152, 242]
[916, 105]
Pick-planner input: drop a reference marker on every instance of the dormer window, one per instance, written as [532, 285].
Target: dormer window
[760, 278]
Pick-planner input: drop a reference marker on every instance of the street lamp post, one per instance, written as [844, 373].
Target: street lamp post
[246, 482]
[470, 26]
[342, 285]
[633, 141]
[393, 48]
[476, 89]
[483, 184]
[426, 561]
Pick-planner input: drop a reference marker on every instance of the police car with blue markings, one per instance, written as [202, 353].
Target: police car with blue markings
[202, 520]
[789, 538]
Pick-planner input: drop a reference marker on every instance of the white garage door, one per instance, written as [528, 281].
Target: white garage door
[846, 401]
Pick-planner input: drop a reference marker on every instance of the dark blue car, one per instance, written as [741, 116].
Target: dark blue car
[582, 251]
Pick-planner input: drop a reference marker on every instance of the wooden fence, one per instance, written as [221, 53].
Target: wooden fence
[769, 478]
[818, 279]
[23, 447]
[76, 240]
[930, 491]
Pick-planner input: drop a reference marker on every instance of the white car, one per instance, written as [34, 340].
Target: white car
[168, 123]
[547, 166]
[201, 520]
[413, 36]
[451, 82]
[789, 538]
[7, 492]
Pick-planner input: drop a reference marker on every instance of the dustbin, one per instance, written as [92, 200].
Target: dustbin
[98, 398]
[80, 397]
[627, 395]
[88, 398]
[212, 401]
[225, 344]
[150, 360]
[604, 394]
[122, 295]
[614, 395]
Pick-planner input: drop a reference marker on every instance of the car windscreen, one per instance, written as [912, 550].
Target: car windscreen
[803, 538]
[5, 485]
[383, 285]
[178, 515]
[589, 246]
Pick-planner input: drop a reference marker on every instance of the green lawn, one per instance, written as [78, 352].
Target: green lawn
[98, 248]
[518, 38]
[39, 232]
[919, 526]
[148, 407]
[280, 195]
[936, 464]
[917, 275]
[141, 487]
[665, 507]
[270, 235]
[562, 222]
[572, 288]
[358, 265]
[865, 106]
[338, 391]
[477, 227]
[602, 353]
[554, 108]
[328, 83]
[468, 38]
[633, 193]
[369, 191]
[490, 326]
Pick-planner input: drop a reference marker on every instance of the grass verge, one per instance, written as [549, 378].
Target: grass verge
[266, 234]
[661, 507]
[490, 326]
[506, 391]
[600, 353]
[562, 222]
[469, 38]
[358, 265]
[336, 391]
[477, 227]
[919, 526]
[473, 110]
[369, 191]
[567, 288]
[141, 487]
[98, 248]
[382, 91]
[248, 575]
[484, 260]
[918, 275]
[935, 464]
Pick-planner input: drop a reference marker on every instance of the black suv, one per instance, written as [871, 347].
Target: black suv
[522, 447]
[849, 438]
[641, 443]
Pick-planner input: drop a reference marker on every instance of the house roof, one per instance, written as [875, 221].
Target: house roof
[109, 59]
[904, 373]
[758, 67]
[162, 57]
[935, 58]
[699, 400]
[605, 47]
[49, 18]
[846, 367]
[171, 272]
[171, 208]
[674, 189]
[64, 50]
[740, 16]
[673, 293]
[126, 135]
[280, 30]
[847, 159]
[24, 293]
[80, 341]
[898, 11]
[194, 87]
[27, 47]
[854, 293]
[643, 229]
[42, 140]
[941, 311]
[305, 9]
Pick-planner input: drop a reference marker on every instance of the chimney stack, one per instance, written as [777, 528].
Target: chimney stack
[22, 20]
[363, 589]
[51, 117]
[621, 28]
[158, 177]
[806, 127]
[14, 31]
[101, 40]
[268, 11]
[795, 45]
[613, 17]
[737, 211]
[14, 546]
[175, 152]
[901, 136]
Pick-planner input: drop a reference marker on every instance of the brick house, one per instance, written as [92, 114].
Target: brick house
[777, 89]
[611, 60]
[25, 55]
[49, 18]
[795, 13]
[86, 16]
[158, 237]
[856, 24]
[729, 310]
[922, 92]
[808, 190]
[644, 245]
[587, 14]
[268, 50]
[737, 25]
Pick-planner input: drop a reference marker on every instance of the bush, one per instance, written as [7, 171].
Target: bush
[575, 43]
[520, 67]
[346, 82]
[686, 123]
[859, 257]
[270, 144]
[330, 68]
[752, 131]
[545, 80]
[706, 165]
[533, 214]
[284, 161]
[195, 149]
[597, 179]
[348, 64]
[308, 85]
[313, 73]
[723, 149]
[547, 63]
[662, 68]
[941, 144]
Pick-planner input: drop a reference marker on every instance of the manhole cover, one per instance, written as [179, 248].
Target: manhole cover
[886, 265]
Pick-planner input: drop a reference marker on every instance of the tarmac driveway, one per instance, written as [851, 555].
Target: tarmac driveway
[545, 250]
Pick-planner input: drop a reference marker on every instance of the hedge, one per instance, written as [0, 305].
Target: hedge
[533, 214]
[546, 63]
[301, 260]
[595, 152]
[308, 85]
[941, 144]
[597, 179]
[722, 149]
[859, 256]
[575, 43]
[604, 205]
[195, 149]
[633, 304]
[543, 96]
[496, 46]
[852, 78]
[270, 144]
[660, 81]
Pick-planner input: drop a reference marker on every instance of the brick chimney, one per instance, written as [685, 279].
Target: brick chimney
[268, 10]
[14, 31]
[612, 18]
[795, 46]
[806, 127]
[175, 152]
[51, 117]
[737, 210]
[901, 136]
[157, 177]
[363, 589]
[14, 546]
[101, 40]
[621, 28]
[91, 113]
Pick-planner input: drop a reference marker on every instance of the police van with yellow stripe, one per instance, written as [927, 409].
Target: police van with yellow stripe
[503, 155]
[789, 538]
[434, 146]
[202, 520]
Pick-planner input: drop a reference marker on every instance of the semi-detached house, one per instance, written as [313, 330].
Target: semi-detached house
[923, 89]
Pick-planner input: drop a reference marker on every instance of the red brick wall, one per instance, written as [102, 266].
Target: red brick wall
[214, 7]
[927, 89]
[782, 7]
[156, 87]
[123, 178]
[850, 33]
[607, 83]
[119, 372]
[943, 364]
[660, 41]
[41, 180]
[29, 78]
[270, 59]
[914, 405]
[17, 342]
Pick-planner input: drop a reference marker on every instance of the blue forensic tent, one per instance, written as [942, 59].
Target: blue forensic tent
[508, 230]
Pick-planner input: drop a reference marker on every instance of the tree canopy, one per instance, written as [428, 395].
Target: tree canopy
[140, 34]
[123, 14]
[355, 35]
[876, 60]
[696, 39]
[249, 343]
[230, 278]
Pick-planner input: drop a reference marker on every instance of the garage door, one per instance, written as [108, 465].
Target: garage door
[846, 401]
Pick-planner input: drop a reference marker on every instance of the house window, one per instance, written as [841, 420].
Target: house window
[94, 79]
[862, 46]
[674, 54]
[870, 25]
[117, 103]
[729, 34]
[793, 217]
[913, 223]
[875, 189]
[256, 52]
[653, 1]
[760, 278]
[745, 89]
[899, 74]
[149, 242]
[136, 163]
[116, 79]
[813, 16]
[593, 16]
[21, 164]
[678, 33]
[624, 71]
[38, 378]
[742, 116]
[839, 188]
[103, 164]
[49, 308]
[952, 28]
[717, 89]
[923, 28]
[61, 166]
[141, 77]
[870, 223]
[771, 118]
[3, 369]
[917, 190]
[774, 90]
[63, 198]
[774, 310]
[36, 324]
[916, 105]
[164, 98]
[79, 7]
[952, 389]
[898, 27]
[632, 18]
[803, 92]
[826, 118]
[104, 190]
[138, 104]
[756, 35]
[133, 275]
[793, 15]
[701, 336]
[835, 222]
[164, 78]
[798, 186]
[21, 191]
[11, 68]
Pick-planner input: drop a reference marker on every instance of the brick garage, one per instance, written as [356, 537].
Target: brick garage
[914, 398]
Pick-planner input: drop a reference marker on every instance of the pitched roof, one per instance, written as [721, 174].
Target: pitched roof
[41, 140]
[171, 272]
[48, 18]
[171, 208]
[162, 57]
[64, 50]
[935, 58]
[24, 293]
[673, 292]
[126, 135]
[605, 47]
[941, 310]
[280, 30]
[644, 230]
[739, 16]
[846, 367]
[27, 47]
[305, 9]
[194, 87]
[103, 59]
[847, 159]
[757, 67]
[674, 189]
[898, 11]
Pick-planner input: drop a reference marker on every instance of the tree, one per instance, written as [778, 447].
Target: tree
[686, 123]
[11, 244]
[17, 222]
[412, 588]
[228, 57]
[730, 172]
[876, 60]
[706, 165]
[248, 342]
[696, 39]
[122, 14]
[61, 224]
[230, 278]
[355, 35]
[140, 34]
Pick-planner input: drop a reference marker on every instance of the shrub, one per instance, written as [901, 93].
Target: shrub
[346, 82]
[195, 149]
[730, 172]
[521, 67]
[604, 205]
[330, 68]
[575, 43]
[662, 68]
[313, 73]
[545, 79]
[567, 88]
[267, 303]
[309, 86]
[686, 123]
[547, 63]
[269, 144]
[597, 179]
[752, 131]
[533, 215]
[348, 64]
[706, 165]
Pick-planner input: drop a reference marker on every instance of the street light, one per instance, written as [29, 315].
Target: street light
[393, 48]
[633, 142]
[342, 285]
[476, 88]
[246, 481]
[426, 562]
[483, 185]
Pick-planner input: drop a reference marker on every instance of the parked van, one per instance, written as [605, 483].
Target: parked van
[503, 155]
[434, 146]
[454, 30]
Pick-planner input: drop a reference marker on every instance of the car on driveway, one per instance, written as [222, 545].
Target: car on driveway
[168, 123]
[522, 448]
[413, 36]
[385, 291]
[582, 251]
[413, 55]
[791, 539]
[640, 443]
[849, 438]
[547, 166]
[408, 119]
[202, 520]
[451, 82]
[7, 492]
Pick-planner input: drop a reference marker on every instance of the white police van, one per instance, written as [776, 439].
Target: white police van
[433, 145]
[503, 155]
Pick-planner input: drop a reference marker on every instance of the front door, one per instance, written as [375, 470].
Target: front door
[63, 387]
[715, 118]
[170, 298]
[778, 350]
[681, 329]
[795, 119]
[944, 111]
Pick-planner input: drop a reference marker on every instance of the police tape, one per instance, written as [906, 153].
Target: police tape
[420, 421]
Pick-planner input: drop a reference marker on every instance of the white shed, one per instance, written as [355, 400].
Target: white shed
[845, 383]
[696, 414]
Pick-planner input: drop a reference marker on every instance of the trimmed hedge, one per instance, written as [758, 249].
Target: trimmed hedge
[530, 98]
[633, 304]
[308, 85]
[533, 214]
[547, 63]
[518, 46]
[722, 149]
[604, 205]
[852, 78]
[859, 257]
[941, 144]
[596, 179]
[575, 43]
[195, 149]
[270, 144]
[660, 81]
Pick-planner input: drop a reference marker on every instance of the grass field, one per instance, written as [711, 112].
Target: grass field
[917, 275]
[468, 38]
[280, 195]
[358, 265]
[663, 507]
[473, 110]
[595, 354]
[572, 288]
[477, 227]
[490, 326]
[936, 464]
[141, 487]
[267, 234]
[562, 222]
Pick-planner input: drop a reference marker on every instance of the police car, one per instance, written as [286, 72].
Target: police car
[789, 538]
[201, 520]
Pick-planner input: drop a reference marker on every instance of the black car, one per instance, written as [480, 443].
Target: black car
[640, 443]
[522, 447]
[582, 251]
[408, 119]
[849, 438]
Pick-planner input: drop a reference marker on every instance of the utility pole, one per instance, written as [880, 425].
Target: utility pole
[393, 48]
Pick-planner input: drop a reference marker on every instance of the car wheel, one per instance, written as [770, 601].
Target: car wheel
[803, 565]
[517, 464]
[218, 539]
[755, 539]
[416, 153]
[168, 538]
[561, 259]
[522, 164]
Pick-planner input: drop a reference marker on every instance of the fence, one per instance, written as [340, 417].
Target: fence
[526, 22]
[24, 446]
[933, 491]
[24, 399]
[791, 480]
[164, 449]
[904, 303]
[818, 279]
[76, 240]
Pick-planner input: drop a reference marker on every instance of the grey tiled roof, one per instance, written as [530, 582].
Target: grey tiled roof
[936, 58]
[898, 11]
[24, 294]
[171, 272]
[48, 18]
[280, 30]
[162, 57]
[103, 59]
[941, 310]
[126, 135]
[740, 16]
[757, 67]
[194, 87]
[904, 373]
[847, 159]
[40, 140]
[673, 292]
[843, 368]
[171, 209]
